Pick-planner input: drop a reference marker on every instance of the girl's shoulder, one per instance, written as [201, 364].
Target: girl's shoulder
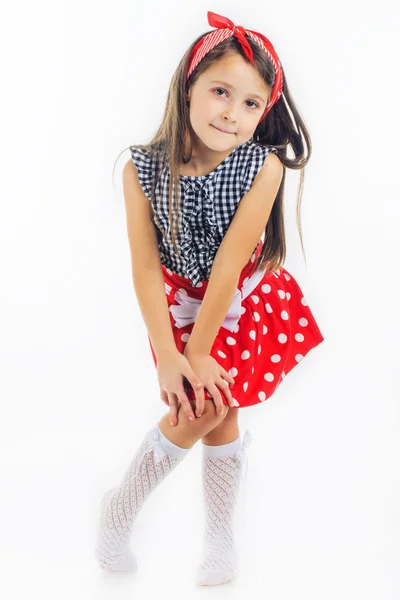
[147, 161]
[251, 155]
[144, 156]
[252, 161]
[256, 149]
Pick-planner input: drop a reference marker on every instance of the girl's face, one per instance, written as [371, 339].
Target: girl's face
[229, 96]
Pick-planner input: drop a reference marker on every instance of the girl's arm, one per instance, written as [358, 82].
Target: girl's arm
[242, 236]
[147, 273]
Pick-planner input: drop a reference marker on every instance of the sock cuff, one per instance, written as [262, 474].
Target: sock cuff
[222, 451]
[171, 448]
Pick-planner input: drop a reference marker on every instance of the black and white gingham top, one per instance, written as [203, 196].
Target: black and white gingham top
[208, 205]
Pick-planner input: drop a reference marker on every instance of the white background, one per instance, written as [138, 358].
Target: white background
[318, 516]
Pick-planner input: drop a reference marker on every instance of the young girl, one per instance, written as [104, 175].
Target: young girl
[226, 321]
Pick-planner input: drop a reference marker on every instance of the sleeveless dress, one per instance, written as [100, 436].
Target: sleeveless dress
[269, 327]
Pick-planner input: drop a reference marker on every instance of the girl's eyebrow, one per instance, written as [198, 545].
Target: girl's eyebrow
[228, 85]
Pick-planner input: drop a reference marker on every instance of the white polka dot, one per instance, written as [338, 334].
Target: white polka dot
[252, 334]
[268, 377]
[288, 295]
[245, 354]
[299, 357]
[262, 396]
[245, 386]
[283, 374]
[253, 258]
[231, 341]
[281, 294]
[266, 288]
[233, 372]
[242, 309]
[284, 315]
[255, 299]
[287, 277]
[185, 337]
[299, 337]
[221, 354]
[235, 402]
[265, 329]
[245, 280]
[304, 301]
[169, 271]
[259, 349]
[275, 358]
[183, 291]
[252, 370]
[200, 284]
[282, 338]
[268, 307]
[303, 322]
[236, 328]
[256, 316]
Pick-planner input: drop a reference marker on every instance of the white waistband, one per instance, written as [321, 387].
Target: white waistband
[186, 311]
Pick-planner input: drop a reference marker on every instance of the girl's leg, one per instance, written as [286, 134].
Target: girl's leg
[186, 433]
[161, 450]
[224, 432]
[222, 471]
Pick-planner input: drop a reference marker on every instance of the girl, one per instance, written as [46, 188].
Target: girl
[226, 321]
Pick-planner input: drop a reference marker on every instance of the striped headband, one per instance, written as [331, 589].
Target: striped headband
[225, 28]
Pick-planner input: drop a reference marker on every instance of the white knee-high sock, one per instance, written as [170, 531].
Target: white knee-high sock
[155, 458]
[223, 468]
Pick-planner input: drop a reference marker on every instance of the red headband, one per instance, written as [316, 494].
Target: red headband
[225, 28]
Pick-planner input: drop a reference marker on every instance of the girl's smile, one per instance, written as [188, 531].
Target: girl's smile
[222, 130]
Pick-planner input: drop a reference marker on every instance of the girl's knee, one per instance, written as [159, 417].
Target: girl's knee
[225, 430]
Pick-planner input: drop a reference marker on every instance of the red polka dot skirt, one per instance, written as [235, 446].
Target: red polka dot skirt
[275, 330]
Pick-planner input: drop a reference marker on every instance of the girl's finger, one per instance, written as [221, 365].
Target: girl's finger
[198, 388]
[227, 391]
[216, 396]
[187, 407]
[173, 409]
[228, 376]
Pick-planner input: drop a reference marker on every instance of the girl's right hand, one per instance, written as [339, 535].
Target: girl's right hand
[170, 371]
[215, 378]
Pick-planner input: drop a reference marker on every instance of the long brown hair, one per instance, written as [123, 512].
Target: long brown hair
[280, 128]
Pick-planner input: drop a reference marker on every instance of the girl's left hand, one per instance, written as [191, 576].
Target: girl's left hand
[212, 376]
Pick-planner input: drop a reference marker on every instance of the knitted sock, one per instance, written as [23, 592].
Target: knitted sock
[154, 459]
[223, 468]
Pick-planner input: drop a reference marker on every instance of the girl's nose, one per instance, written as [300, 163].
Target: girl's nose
[230, 115]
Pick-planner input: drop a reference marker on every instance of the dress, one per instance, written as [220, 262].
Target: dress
[269, 327]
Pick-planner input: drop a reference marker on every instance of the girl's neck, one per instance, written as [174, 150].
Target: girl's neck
[202, 160]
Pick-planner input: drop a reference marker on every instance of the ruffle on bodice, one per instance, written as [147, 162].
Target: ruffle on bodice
[198, 214]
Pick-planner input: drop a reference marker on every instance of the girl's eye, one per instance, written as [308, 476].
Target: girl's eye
[223, 90]
[252, 101]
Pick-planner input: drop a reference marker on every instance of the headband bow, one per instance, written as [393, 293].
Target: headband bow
[226, 28]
